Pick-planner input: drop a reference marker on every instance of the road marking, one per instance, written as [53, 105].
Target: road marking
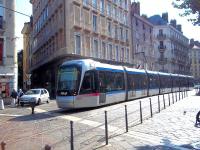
[10, 115]
[156, 140]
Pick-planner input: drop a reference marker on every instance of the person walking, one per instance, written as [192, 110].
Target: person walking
[14, 96]
[20, 93]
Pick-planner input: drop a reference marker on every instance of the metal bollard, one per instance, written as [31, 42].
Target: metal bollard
[176, 96]
[47, 147]
[72, 136]
[140, 112]
[32, 104]
[106, 127]
[151, 111]
[3, 145]
[126, 118]
[169, 98]
[172, 97]
[158, 103]
[164, 101]
[179, 95]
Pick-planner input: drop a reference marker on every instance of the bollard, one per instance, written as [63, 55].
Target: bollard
[72, 136]
[32, 104]
[179, 95]
[106, 127]
[169, 98]
[182, 94]
[172, 97]
[164, 100]
[126, 118]
[158, 103]
[3, 145]
[47, 147]
[140, 112]
[151, 111]
[176, 96]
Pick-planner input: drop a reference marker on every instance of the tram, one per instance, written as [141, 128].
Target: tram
[88, 83]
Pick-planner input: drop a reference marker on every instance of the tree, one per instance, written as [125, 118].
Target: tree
[190, 7]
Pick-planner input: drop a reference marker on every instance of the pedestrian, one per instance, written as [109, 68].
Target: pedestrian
[20, 93]
[14, 96]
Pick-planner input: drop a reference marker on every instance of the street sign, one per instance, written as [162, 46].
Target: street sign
[28, 82]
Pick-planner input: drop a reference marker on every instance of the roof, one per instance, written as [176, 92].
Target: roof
[157, 20]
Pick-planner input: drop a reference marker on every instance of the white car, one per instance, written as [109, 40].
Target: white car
[34, 95]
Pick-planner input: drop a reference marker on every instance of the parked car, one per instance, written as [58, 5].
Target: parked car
[36, 96]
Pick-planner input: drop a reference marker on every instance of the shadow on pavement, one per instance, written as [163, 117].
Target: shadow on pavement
[32, 117]
[167, 145]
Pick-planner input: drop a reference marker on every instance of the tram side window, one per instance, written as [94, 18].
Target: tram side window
[111, 81]
[88, 84]
[137, 81]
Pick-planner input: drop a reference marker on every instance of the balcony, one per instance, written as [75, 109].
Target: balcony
[161, 36]
[162, 48]
[77, 2]
[162, 61]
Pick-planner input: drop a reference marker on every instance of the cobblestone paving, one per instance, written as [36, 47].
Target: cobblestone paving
[173, 128]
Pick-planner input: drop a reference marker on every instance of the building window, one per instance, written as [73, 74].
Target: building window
[77, 44]
[104, 50]
[94, 23]
[85, 2]
[121, 33]
[102, 6]
[95, 48]
[117, 53]
[122, 55]
[116, 35]
[109, 9]
[87, 45]
[109, 29]
[94, 4]
[160, 32]
[1, 51]
[110, 51]
[127, 54]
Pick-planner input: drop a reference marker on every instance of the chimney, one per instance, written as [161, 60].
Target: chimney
[173, 23]
[165, 17]
[179, 27]
[135, 8]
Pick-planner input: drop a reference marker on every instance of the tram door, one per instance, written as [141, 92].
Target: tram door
[102, 88]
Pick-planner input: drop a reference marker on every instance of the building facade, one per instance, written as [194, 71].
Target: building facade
[142, 41]
[172, 47]
[74, 29]
[195, 62]
[8, 53]
[27, 45]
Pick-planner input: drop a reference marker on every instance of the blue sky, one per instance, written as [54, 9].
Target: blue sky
[148, 7]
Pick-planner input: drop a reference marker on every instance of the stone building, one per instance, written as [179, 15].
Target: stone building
[172, 47]
[27, 45]
[8, 53]
[195, 62]
[142, 39]
[74, 29]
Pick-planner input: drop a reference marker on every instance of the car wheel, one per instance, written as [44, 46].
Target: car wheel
[39, 102]
[47, 100]
[22, 104]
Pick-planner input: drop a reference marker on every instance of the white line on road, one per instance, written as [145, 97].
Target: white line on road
[10, 115]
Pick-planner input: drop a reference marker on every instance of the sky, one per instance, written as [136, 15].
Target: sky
[148, 7]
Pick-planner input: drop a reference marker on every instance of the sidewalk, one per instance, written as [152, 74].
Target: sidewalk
[173, 128]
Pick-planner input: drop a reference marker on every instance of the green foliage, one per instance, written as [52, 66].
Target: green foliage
[190, 7]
